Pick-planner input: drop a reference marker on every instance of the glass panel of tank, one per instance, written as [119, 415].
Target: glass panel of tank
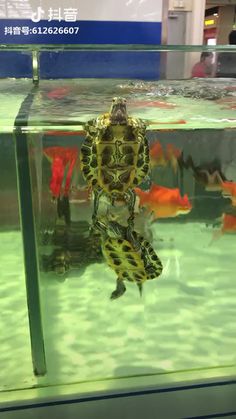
[136, 226]
[15, 355]
[133, 188]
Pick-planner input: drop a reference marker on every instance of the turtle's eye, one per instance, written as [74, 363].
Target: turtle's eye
[114, 99]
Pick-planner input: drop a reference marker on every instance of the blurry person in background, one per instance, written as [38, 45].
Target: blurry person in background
[204, 68]
[226, 64]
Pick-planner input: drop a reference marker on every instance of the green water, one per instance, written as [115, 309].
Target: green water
[185, 319]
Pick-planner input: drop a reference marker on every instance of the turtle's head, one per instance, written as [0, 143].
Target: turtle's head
[118, 112]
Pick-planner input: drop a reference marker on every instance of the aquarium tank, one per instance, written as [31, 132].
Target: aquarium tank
[117, 218]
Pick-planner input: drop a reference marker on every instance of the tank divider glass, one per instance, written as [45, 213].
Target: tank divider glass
[35, 66]
[29, 236]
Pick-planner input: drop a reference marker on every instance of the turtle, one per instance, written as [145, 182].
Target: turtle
[129, 261]
[115, 156]
[59, 262]
[74, 247]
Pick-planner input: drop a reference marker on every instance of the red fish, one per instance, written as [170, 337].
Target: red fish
[61, 158]
[154, 104]
[58, 93]
[164, 202]
[179, 121]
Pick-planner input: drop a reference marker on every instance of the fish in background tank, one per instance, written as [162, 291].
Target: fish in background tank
[134, 197]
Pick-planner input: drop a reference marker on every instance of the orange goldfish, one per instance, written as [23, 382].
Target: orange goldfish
[60, 158]
[164, 202]
[229, 189]
[228, 226]
[159, 157]
[229, 223]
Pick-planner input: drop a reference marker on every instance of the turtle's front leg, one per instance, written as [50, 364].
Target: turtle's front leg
[97, 194]
[131, 237]
[130, 199]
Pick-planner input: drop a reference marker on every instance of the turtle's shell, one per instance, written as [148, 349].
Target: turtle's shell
[130, 264]
[115, 157]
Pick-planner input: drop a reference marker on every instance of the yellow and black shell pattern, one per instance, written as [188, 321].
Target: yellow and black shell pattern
[115, 157]
[130, 264]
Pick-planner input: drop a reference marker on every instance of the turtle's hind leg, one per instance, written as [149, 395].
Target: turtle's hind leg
[119, 291]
